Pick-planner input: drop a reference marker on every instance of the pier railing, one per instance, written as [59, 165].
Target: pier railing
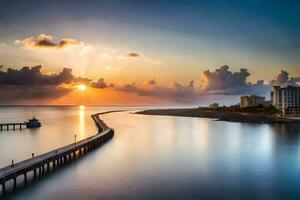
[13, 125]
[57, 157]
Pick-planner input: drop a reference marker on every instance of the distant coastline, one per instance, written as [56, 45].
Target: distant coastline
[222, 115]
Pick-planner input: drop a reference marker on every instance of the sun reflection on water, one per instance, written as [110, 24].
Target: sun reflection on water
[81, 124]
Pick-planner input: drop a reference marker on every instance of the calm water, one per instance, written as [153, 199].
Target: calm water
[157, 157]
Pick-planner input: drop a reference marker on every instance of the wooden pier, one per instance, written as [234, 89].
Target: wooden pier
[5, 126]
[57, 157]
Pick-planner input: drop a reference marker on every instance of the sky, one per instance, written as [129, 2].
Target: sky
[146, 51]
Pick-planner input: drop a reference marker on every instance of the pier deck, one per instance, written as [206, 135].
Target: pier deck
[14, 125]
[57, 157]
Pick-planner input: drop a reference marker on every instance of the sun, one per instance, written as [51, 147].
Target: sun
[81, 87]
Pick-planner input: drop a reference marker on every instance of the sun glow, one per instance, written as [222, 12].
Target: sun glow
[81, 87]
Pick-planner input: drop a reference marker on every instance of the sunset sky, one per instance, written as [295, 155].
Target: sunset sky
[146, 52]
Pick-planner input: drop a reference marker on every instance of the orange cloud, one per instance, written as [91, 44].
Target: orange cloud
[133, 55]
[46, 41]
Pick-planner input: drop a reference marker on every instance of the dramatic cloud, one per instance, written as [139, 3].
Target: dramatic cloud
[283, 78]
[222, 78]
[32, 76]
[133, 55]
[29, 76]
[223, 81]
[46, 41]
[30, 83]
[100, 83]
[82, 80]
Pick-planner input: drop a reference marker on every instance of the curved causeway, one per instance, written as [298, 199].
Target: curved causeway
[57, 157]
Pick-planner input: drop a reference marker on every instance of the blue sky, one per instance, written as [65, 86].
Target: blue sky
[256, 23]
[268, 30]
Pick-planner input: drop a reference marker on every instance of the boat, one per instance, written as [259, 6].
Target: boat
[33, 123]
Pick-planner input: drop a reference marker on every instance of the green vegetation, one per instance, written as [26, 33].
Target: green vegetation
[270, 109]
[260, 109]
[255, 114]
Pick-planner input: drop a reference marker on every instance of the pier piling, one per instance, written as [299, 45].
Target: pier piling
[57, 157]
[13, 125]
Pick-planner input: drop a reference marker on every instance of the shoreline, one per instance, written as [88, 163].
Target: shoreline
[229, 116]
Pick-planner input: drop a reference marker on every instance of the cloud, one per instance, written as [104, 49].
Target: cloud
[220, 81]
[30, 83]
[152, 82]
[282, 78]
[46, 41]
[82, 80]
[30, 76]
[175, 92]
[225, 82]
[33, 76]
[100, 83]
[222, 78]
[133, 55]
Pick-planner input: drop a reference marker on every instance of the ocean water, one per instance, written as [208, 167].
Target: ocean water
[156, 157]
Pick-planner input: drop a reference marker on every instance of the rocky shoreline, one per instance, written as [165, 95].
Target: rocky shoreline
[221, 115]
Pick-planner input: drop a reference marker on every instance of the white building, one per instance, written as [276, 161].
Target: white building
[286, 99]
[253, 100]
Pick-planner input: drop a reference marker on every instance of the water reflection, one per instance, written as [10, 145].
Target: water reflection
[286, 135]
[150, 157]
[81, 123]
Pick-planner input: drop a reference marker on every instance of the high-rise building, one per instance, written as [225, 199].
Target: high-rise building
[287, 99]
[276, 97]
[253, 100]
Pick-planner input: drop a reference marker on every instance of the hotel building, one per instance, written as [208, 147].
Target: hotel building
[253, 100]
[287, 99]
